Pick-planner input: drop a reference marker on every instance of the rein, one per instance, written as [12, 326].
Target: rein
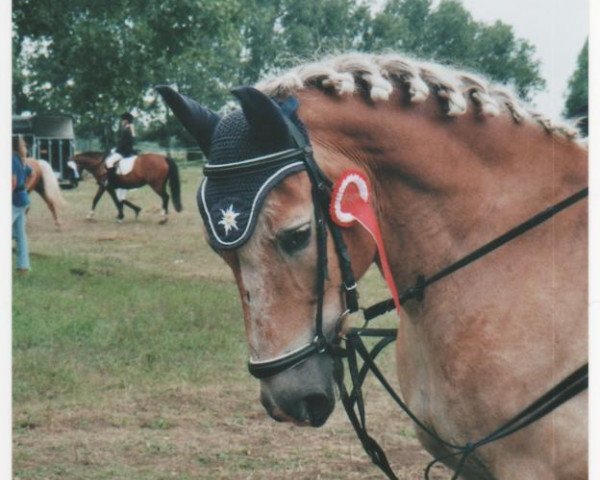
[418, 290]
[354, 346]
[354, 404]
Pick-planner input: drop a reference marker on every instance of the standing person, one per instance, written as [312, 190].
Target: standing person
[124, 146]
[20, 201]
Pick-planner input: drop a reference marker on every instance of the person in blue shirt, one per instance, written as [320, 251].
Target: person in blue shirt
[20, 201]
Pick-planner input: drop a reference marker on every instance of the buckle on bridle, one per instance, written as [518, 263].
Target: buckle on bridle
[348, 319]
[351, 287]
[320, 343]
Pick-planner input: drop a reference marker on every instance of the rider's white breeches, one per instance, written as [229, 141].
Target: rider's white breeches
[112, 159]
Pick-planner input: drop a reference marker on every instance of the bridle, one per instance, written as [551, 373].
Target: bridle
[322, 343]
[321, 188]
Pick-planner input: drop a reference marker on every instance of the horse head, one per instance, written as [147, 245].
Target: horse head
[73, 173]
[262, 223]
[91, 161]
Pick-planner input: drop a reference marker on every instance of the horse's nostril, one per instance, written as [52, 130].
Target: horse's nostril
[318, 408]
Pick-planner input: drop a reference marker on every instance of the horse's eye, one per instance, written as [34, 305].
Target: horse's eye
[292, 241]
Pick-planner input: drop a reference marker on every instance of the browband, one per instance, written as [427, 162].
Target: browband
[254, 164]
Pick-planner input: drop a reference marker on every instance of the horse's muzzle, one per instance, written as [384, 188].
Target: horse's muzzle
[303, 394]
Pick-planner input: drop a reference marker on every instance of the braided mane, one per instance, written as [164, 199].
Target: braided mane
[380, 74]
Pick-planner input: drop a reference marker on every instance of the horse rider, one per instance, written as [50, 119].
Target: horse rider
[124, 146]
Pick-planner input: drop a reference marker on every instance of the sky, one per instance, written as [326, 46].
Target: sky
[558, 30]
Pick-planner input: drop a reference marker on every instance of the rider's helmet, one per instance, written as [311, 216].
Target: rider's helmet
[127, 116]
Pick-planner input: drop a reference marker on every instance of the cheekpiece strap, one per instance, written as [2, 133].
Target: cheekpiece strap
[323, 186]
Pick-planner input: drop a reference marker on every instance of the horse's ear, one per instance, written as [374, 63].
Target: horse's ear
[197, 120]
[263, 114]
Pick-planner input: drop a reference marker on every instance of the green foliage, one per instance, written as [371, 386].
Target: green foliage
[400, 26]
[449, 35]
[97, 58]
[281, 33]
[104, 57]
[576, 105]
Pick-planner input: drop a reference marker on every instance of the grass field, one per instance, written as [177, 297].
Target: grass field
[129, 361]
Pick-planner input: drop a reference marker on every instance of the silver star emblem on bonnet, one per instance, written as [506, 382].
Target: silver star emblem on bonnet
[228, 221]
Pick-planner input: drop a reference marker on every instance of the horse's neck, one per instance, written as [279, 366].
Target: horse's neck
[516, 304]
[470, 191]
[92, 164]
[442, 189]
[444, 186]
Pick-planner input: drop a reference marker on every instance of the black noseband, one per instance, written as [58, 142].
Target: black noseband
[277, 365]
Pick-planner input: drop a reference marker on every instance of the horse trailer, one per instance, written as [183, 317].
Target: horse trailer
[49, 137]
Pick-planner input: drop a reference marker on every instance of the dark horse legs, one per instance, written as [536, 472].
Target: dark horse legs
[95, 201]
[118, 203]
[165, 201]
[133, 206]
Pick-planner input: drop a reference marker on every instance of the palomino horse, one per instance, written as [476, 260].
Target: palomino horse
[149, 169]
[43, 181]
[453, 162]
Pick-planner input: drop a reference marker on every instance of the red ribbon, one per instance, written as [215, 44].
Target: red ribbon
[351, 202]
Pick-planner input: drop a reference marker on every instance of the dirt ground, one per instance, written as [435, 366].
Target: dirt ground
[181, 430]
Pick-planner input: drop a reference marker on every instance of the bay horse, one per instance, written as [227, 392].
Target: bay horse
[149, 169]
[453, 162]
[44, 182]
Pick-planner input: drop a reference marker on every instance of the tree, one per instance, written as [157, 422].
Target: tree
[100, 57]
[72, 53]
[279, 33]
[97, 58]
[448, 34]
[576, 105]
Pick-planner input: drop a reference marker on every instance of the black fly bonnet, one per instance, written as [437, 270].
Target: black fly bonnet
[240, 173]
